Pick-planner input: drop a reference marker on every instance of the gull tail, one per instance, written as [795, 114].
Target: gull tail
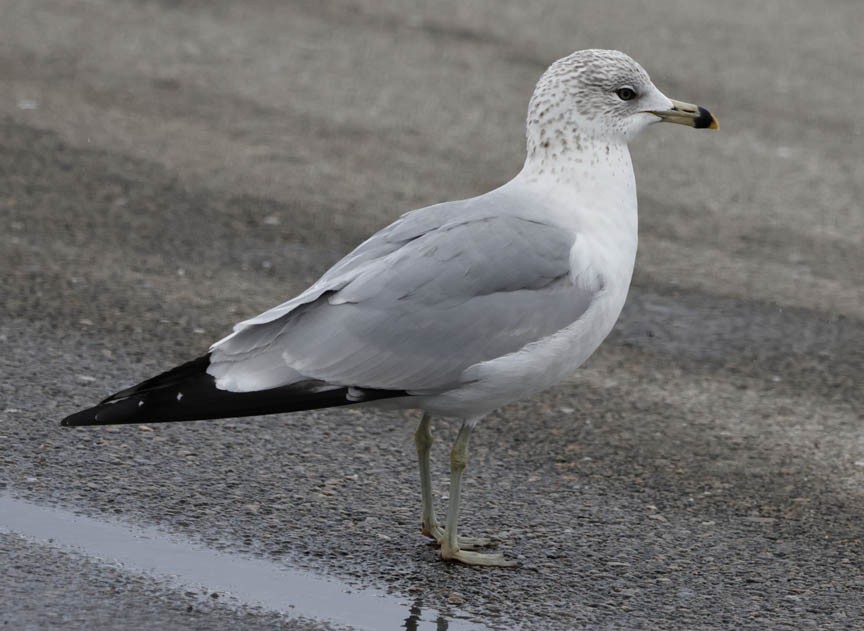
[188, 393]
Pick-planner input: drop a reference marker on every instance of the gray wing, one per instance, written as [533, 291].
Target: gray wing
[413, 307]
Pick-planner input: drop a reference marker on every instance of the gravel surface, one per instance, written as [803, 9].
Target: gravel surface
[168, 168]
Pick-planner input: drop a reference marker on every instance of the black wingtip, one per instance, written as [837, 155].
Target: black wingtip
[189, 393]
[90, 416]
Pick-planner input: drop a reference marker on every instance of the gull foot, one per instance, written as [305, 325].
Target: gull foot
[493, 559]
[436, 532]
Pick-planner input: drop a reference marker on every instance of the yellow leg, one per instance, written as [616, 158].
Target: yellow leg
[428, 524]
[423, 441]
[450, 544]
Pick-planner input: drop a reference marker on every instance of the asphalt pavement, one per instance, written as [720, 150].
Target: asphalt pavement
[168, 168]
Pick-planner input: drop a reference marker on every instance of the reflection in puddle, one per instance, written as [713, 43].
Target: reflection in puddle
[415, 621]
[246, 580]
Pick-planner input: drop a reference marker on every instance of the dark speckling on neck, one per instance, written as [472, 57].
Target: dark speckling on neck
[573, 113]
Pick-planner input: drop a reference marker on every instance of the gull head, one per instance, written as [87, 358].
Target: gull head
[602, 95]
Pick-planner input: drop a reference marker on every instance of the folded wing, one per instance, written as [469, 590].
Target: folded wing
[413, 307]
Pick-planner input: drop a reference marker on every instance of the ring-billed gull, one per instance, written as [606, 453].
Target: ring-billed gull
[457, 308]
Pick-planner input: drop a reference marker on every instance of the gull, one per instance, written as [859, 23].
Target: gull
[458, 308]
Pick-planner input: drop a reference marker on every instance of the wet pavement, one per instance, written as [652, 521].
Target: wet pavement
[168, 168]
[244, 581]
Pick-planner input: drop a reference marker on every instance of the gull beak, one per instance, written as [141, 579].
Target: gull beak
[687, 114]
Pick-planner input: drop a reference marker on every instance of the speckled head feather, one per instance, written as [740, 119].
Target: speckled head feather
[581, 96]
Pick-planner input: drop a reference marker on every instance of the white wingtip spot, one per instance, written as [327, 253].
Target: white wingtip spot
[140, 403]
[179, 396]
[355, 394]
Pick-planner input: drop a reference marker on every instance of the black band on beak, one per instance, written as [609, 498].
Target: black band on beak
[705, 119]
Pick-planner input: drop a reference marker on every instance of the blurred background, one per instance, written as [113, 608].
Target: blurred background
[170, 167]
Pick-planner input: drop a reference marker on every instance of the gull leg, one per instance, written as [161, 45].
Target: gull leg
[428, 524]
[423, 440]
[450, 544]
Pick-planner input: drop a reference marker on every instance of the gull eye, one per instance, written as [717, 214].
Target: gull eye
[626, 93]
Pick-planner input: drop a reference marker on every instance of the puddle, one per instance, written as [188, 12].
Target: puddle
[243, 579]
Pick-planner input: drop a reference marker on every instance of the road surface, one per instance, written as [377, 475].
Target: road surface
[168, 168]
